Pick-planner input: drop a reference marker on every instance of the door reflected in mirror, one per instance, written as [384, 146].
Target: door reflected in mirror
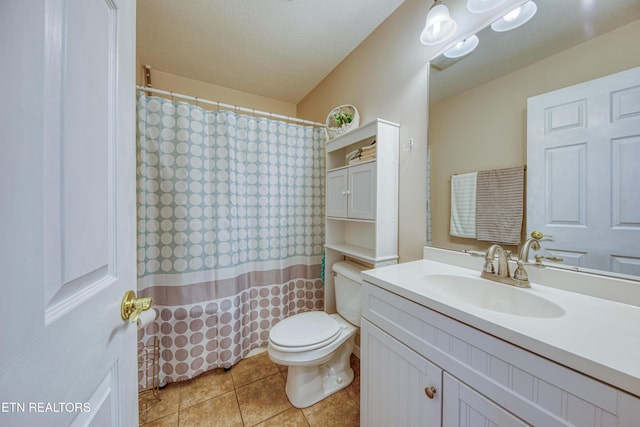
[583, 186]
[478, 105]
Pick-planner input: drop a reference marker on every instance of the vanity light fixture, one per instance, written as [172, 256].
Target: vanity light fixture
[517, 17]
[439, 26]
[463, 47]
[481, 6]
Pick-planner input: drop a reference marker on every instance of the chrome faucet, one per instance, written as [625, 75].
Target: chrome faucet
[503, 275]
[520, 277]
[521, 273]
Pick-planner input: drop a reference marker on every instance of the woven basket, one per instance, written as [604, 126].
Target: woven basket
[332, 128]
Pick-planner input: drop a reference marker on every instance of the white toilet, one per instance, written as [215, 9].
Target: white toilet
[317, 346]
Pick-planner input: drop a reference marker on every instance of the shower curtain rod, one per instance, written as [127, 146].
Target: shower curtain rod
[228, 106]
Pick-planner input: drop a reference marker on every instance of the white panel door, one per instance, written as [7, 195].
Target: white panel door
[67, 252]
[362, 191]
[583, 177]
[394, 382]
[337, 193]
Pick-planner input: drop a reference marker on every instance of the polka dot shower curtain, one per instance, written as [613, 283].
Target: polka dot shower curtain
[230, 230]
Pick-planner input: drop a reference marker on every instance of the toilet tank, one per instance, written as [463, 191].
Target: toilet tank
[348, 286]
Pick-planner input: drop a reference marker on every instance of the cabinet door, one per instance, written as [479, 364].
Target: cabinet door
[362, 191]
[465, 407]
[393, 383]
[337, 193]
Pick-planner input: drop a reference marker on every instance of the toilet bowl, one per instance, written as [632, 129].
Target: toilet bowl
[317, 346]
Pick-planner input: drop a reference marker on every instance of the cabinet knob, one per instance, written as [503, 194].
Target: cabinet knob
[430, 392]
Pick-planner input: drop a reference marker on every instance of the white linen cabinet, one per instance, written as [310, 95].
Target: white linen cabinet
[362, 200]
[351, 192]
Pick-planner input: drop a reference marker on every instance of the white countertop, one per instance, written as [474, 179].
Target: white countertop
[597, 337]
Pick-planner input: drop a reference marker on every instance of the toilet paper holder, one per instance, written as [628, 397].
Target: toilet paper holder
[131, 306]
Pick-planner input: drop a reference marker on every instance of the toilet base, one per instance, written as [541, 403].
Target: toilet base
[307, 385]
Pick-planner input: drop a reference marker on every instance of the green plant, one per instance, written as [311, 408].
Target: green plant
[342, 118]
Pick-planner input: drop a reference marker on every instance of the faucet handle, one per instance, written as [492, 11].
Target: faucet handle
[521, 272]
[488, 267]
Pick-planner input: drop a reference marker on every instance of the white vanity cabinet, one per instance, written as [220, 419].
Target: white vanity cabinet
[401, 387]
[362, 200]
[478, 378]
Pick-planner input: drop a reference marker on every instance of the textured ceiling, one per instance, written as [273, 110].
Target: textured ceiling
[280, 49]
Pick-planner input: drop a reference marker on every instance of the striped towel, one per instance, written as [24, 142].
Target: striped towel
[463, 205]
[500, 205]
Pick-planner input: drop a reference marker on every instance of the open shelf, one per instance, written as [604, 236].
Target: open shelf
[363, 254]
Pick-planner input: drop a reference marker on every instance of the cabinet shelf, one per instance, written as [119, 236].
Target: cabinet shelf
[363, 254]
[359, 134]
[337, 218]
[351, 165]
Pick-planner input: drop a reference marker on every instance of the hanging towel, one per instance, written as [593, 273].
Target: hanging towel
[463, 205]
[499, 205]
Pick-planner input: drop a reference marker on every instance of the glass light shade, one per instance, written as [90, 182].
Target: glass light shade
[481, 6]
[438, 26]
[517, 17]
[463, 48]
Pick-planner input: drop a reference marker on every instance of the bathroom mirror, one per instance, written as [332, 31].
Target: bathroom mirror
[478, 108]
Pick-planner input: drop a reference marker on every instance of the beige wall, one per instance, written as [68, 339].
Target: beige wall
[185, 86]
[387, 77]
[485, 127]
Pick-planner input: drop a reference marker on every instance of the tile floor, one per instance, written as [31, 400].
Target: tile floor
[249, 394]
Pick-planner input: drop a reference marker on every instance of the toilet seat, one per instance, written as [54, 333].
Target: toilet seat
[304, 332]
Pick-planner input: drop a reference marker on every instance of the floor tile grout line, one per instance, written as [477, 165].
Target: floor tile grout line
[235, 392]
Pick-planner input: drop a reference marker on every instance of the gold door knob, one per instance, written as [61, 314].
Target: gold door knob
[430, 392]
[132, 307]
[537, 234]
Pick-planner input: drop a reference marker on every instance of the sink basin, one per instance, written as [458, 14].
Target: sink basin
[492, 295]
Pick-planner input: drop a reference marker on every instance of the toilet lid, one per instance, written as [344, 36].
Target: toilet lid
[312, 328]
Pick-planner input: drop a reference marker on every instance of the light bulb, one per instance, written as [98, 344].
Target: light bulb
[513, 15]
[435, 29]
[463, 47]
[515, 18]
